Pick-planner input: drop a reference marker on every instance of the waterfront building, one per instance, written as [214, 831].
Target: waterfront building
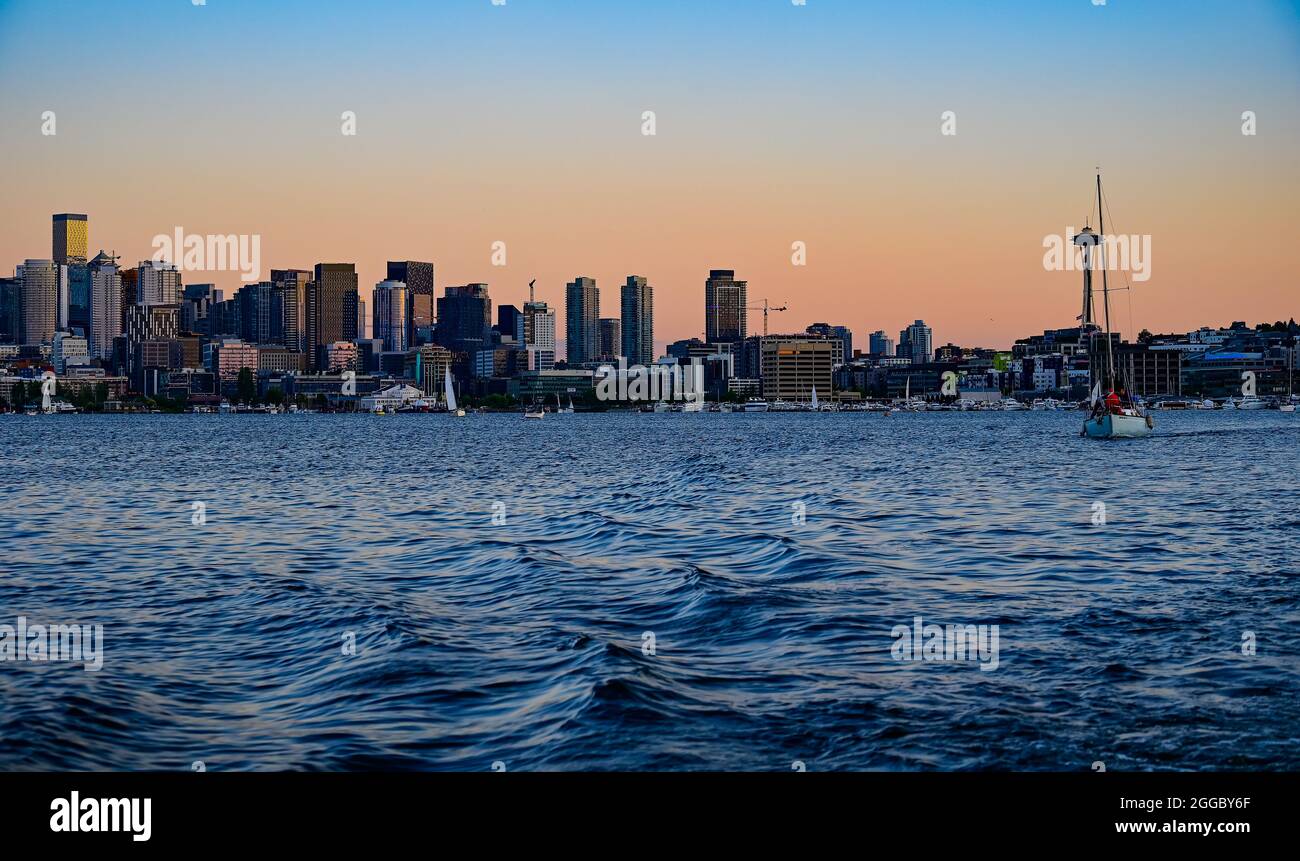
[542, 386]
[69, 350]
[581, 321]
[725, 307]
[792, 366]
[228, 356]
[71, 238]
[428, 365]
[637, 306]
[392, 304]
[418, 278]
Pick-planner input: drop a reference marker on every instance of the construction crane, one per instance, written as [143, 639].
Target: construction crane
[765, 308]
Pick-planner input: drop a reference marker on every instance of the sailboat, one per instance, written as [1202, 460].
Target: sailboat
[534, 412]
[814, 399]
[561, 410]
[458, 412]
[1288, 406]
[1111, 417]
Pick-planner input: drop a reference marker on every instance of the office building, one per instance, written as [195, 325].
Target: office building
[105, 306]
[914, 343]
[725, 307]
[71, 238]
[392, 303]
[332, 308]
[464, 319]
[418, 278]
[39, 300]
[158, 283]
[611, 339]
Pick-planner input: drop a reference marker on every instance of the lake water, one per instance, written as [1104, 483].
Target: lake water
[664, 591]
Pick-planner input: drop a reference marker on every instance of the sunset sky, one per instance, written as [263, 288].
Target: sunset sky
[776, 123]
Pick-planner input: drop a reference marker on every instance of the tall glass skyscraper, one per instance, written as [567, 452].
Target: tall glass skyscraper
[418, 278]
[40, 301]
[332, 302]
[105, 306]
[391, 301]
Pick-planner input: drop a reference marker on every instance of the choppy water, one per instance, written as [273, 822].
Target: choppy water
[522, 643]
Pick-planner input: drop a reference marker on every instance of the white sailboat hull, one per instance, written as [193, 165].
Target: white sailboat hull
[1111, 426]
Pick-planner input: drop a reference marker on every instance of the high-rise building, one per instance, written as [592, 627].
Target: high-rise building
[332, 306]
[11, 292]
[418, 278]
[255, 313]
[158, 283]
[289, 305]
[611, 339]
[361, 318]
[464, 319]
[69, 350]
[71, 238]
[725, 307]
[130, 279]
[914, 343]
[638, 307]
[792, 367]
[841, 333]
[105, 306]
[510, 323]
[74, 281]
[880, 344]
[582, 320]
[392, 302]
[40, 301]
[539, 333]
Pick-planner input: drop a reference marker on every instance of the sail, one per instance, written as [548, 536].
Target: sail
[907, 390]
[451, 394]
[814, 398]
[1096, 394]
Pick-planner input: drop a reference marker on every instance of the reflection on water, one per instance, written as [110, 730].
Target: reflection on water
[524, 641]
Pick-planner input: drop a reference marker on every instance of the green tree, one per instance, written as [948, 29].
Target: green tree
[19, 394]
[274, 396]
[247, 386]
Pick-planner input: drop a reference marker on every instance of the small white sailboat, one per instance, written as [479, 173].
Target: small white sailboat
[1111, 418]
[535, 412]
[458, 412]
[814, 399]
[562, 410]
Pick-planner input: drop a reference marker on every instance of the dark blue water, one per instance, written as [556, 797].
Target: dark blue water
[522, 642]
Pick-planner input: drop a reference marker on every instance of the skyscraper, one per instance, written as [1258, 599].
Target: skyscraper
[841, 333]
[611, 339]
[880, 344]
[418, 278]
[582, 320]
[255, 313]
[11, 327]
[71, 238]
[392, 301]
[332, 304]
[638, 305]
[105, 306]
[914, 343]
[75, 278]
[725, 301]
[158, 283]
[464, 319]
[539, 333]
[290, 306]
[40, 301]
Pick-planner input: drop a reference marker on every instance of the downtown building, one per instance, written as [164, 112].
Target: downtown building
[581, 321]
[39, 301]
[105, 317]
[725, 307]
[792, 366]
[332, 308]
[538, 334]
[418, 314]
[637, 307]
[915, 343]
[391, 325]
[158, 283]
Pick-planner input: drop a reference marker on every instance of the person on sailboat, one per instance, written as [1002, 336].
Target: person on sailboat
[1113, 402]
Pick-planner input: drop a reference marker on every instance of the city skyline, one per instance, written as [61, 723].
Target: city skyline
[800, 143]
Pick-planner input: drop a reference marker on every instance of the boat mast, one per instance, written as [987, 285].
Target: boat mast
[1105, 287]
